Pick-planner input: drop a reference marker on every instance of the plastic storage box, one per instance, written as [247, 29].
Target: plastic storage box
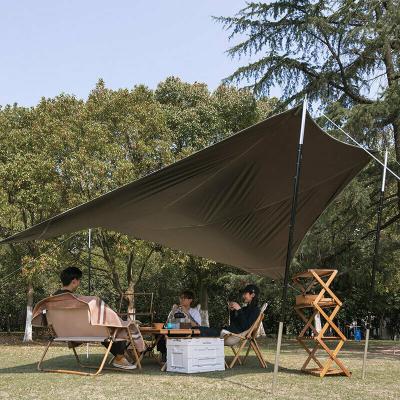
[195, 355]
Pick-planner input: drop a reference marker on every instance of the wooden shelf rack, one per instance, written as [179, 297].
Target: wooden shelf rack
[307, 307]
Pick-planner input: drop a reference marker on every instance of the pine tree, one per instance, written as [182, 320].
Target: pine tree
[345, 54]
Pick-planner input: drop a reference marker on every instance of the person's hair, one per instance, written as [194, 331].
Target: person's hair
[252, 289]
[187, 294]
[69, 274]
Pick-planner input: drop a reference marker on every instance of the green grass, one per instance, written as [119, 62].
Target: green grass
[19, 378]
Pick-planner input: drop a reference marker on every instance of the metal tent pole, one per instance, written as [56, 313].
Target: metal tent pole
[290, 242]
[90, 262]
[374, 264]
[89, 275]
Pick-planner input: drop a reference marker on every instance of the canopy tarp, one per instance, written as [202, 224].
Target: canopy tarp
[231, 201]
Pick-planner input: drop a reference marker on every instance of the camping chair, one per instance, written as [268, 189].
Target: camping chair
[237, 341]
[73, 326]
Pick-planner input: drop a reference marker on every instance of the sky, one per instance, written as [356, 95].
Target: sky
[50, 47]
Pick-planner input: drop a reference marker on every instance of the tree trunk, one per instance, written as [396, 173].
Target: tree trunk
[103, 241]
[396, 136]
[204, 305]
[28, 322]
[129, 296]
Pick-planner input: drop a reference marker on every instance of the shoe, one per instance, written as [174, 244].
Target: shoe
[123, 363]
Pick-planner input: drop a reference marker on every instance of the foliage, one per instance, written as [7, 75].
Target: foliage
[66, 151]
[345, 55]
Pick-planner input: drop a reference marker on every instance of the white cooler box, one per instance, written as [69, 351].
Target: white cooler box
[195, 355]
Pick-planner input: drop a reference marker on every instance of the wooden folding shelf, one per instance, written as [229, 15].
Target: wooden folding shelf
[307, 307]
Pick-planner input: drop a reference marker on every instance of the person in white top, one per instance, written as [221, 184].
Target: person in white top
[185, 302]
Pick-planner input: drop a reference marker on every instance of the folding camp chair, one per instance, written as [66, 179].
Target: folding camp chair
[72, 325]
[238, 341]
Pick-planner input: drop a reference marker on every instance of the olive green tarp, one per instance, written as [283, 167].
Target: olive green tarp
[231, 201]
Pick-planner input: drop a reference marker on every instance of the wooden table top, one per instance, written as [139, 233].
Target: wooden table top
[154, 331]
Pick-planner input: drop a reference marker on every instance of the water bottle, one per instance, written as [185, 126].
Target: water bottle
[170, 321]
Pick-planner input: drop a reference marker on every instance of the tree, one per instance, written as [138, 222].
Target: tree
[28, 175]
[344, 54]
[65, 151]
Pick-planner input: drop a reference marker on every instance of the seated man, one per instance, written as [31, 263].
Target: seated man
[185, 302]
[241, 318]
[71, 278]
[192, 313]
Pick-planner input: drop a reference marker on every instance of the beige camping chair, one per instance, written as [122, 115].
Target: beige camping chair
[73, 326]
[238, 341]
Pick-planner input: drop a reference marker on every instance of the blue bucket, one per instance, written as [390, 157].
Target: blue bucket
[357, 335]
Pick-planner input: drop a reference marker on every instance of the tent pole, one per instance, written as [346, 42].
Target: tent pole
[89, 275]
[290, 243]
[374, 264]
[90, 262]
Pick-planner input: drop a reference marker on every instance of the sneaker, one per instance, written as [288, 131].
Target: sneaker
[123, 363]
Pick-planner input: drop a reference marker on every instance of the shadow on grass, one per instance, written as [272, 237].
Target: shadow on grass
[353, 350]
[150, 367]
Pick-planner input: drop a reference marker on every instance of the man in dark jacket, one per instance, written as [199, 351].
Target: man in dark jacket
[241, 318]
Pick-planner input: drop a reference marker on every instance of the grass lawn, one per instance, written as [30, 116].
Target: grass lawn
[19, 378]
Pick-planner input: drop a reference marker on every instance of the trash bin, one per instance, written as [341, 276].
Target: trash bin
[357, 335]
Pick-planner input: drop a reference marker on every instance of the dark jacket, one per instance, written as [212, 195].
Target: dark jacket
[241, 320]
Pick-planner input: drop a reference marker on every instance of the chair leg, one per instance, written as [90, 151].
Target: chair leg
[104, 358]
[137, 357]
[81, 364]
[237, 354]
[64, 371]
[247, 354]
[99, 368]
[134, 351]
[39, 366]
[259, 355]
[234, 351]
